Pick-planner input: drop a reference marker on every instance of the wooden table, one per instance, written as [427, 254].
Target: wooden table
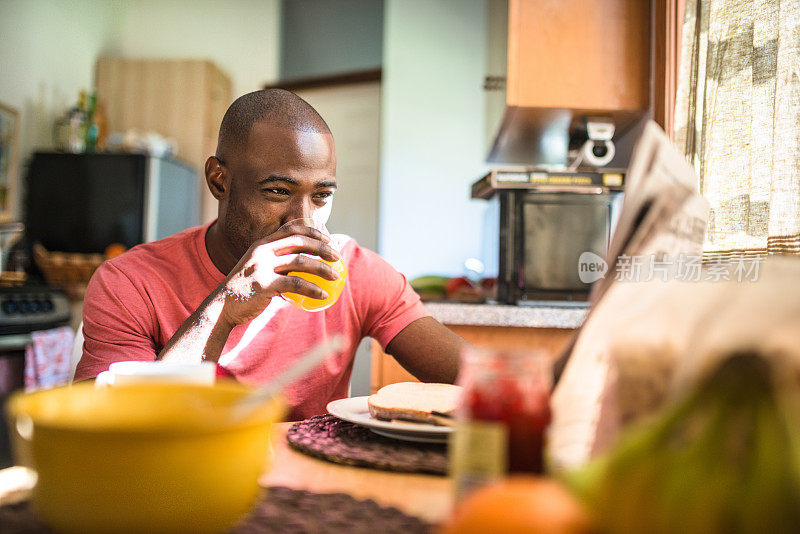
[428, 497]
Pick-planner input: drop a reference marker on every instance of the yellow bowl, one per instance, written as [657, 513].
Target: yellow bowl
[142, 458]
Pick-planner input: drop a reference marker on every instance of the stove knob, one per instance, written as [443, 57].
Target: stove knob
[47, 305]
[9, 307]
[36, 306]
[25, 306]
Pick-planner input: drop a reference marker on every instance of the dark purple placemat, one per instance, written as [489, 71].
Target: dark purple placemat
[329, 438]
[288, 511]
[280, 511]
[19, 518]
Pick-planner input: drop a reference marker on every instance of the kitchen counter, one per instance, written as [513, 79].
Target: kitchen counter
[540, 316]
[544, 327]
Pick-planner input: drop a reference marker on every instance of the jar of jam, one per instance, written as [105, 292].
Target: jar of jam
[502, 417]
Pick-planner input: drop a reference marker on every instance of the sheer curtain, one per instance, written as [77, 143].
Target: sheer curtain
[737, 118]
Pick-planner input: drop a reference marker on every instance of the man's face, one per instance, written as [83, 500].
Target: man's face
[280, 175]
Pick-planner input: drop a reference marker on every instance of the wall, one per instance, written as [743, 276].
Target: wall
[320, 37]
[353, 113]
[47, 54]
[432, 135]
[241, 36]
[48, 48]
[432, 118]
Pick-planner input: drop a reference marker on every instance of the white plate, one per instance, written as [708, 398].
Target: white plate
[356, 410]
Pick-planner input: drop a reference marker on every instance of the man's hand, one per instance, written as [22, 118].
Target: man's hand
[262, 273]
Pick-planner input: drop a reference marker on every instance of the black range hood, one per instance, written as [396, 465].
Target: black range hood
[540, 137]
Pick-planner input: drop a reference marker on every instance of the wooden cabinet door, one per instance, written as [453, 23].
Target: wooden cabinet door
[181, 99]
[579, 54]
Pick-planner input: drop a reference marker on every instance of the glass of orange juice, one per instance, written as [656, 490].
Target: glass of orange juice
[332, 287]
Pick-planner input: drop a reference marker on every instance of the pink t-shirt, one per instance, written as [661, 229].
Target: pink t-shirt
[137, 301]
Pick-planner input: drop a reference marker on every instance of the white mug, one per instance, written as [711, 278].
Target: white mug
[137, 372]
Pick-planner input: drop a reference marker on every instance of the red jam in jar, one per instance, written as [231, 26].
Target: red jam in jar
[503, 416]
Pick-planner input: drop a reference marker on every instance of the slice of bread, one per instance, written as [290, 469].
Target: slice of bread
[414, 401]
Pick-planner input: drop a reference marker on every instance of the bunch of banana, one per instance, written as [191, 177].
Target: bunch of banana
[725, 459]
[430, 285]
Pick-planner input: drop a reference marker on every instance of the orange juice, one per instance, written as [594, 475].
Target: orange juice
[332, 287]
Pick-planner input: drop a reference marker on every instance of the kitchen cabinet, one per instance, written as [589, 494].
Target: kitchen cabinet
[579, 54]
[386, 370]
[181, 99]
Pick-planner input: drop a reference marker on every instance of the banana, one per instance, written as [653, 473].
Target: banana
[429, 284]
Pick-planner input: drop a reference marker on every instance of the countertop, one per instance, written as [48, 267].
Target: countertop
[543, 315]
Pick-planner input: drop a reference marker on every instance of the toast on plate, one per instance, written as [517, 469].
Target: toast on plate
[414, 401]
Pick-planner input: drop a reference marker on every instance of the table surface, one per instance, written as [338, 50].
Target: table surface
[428, 497]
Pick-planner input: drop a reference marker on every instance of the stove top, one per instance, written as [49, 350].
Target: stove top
[32, 307]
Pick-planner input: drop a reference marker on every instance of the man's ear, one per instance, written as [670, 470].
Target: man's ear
[215, 178]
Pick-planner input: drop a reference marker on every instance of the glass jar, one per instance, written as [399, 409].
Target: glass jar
[61, 133]
[502, 417]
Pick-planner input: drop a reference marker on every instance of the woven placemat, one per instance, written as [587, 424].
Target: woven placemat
[281, 510]
[330, 438]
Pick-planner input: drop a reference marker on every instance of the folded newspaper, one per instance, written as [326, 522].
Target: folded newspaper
[663, 216]
[660, 317]
[659, 232]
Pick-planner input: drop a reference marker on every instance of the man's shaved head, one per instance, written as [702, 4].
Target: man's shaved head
[275, 163]
[277, 107]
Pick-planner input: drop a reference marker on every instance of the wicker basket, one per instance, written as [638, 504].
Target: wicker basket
[66, 270]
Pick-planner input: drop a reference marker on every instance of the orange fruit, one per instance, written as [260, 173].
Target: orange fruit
[332, 287]
[520, 504]
[114, 249]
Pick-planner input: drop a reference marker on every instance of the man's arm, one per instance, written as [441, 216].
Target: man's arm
[202, 335]
[428, 350]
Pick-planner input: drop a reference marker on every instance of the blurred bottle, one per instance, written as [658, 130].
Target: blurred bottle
[61, 132]
[502, 418]
[77, 125]
[99, 122]
[91, 128]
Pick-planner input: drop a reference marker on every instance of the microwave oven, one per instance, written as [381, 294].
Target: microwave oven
[547, 221]
[542, 236]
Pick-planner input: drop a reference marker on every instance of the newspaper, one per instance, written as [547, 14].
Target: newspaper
[648, 337]
[662, 219]
[663, 214]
